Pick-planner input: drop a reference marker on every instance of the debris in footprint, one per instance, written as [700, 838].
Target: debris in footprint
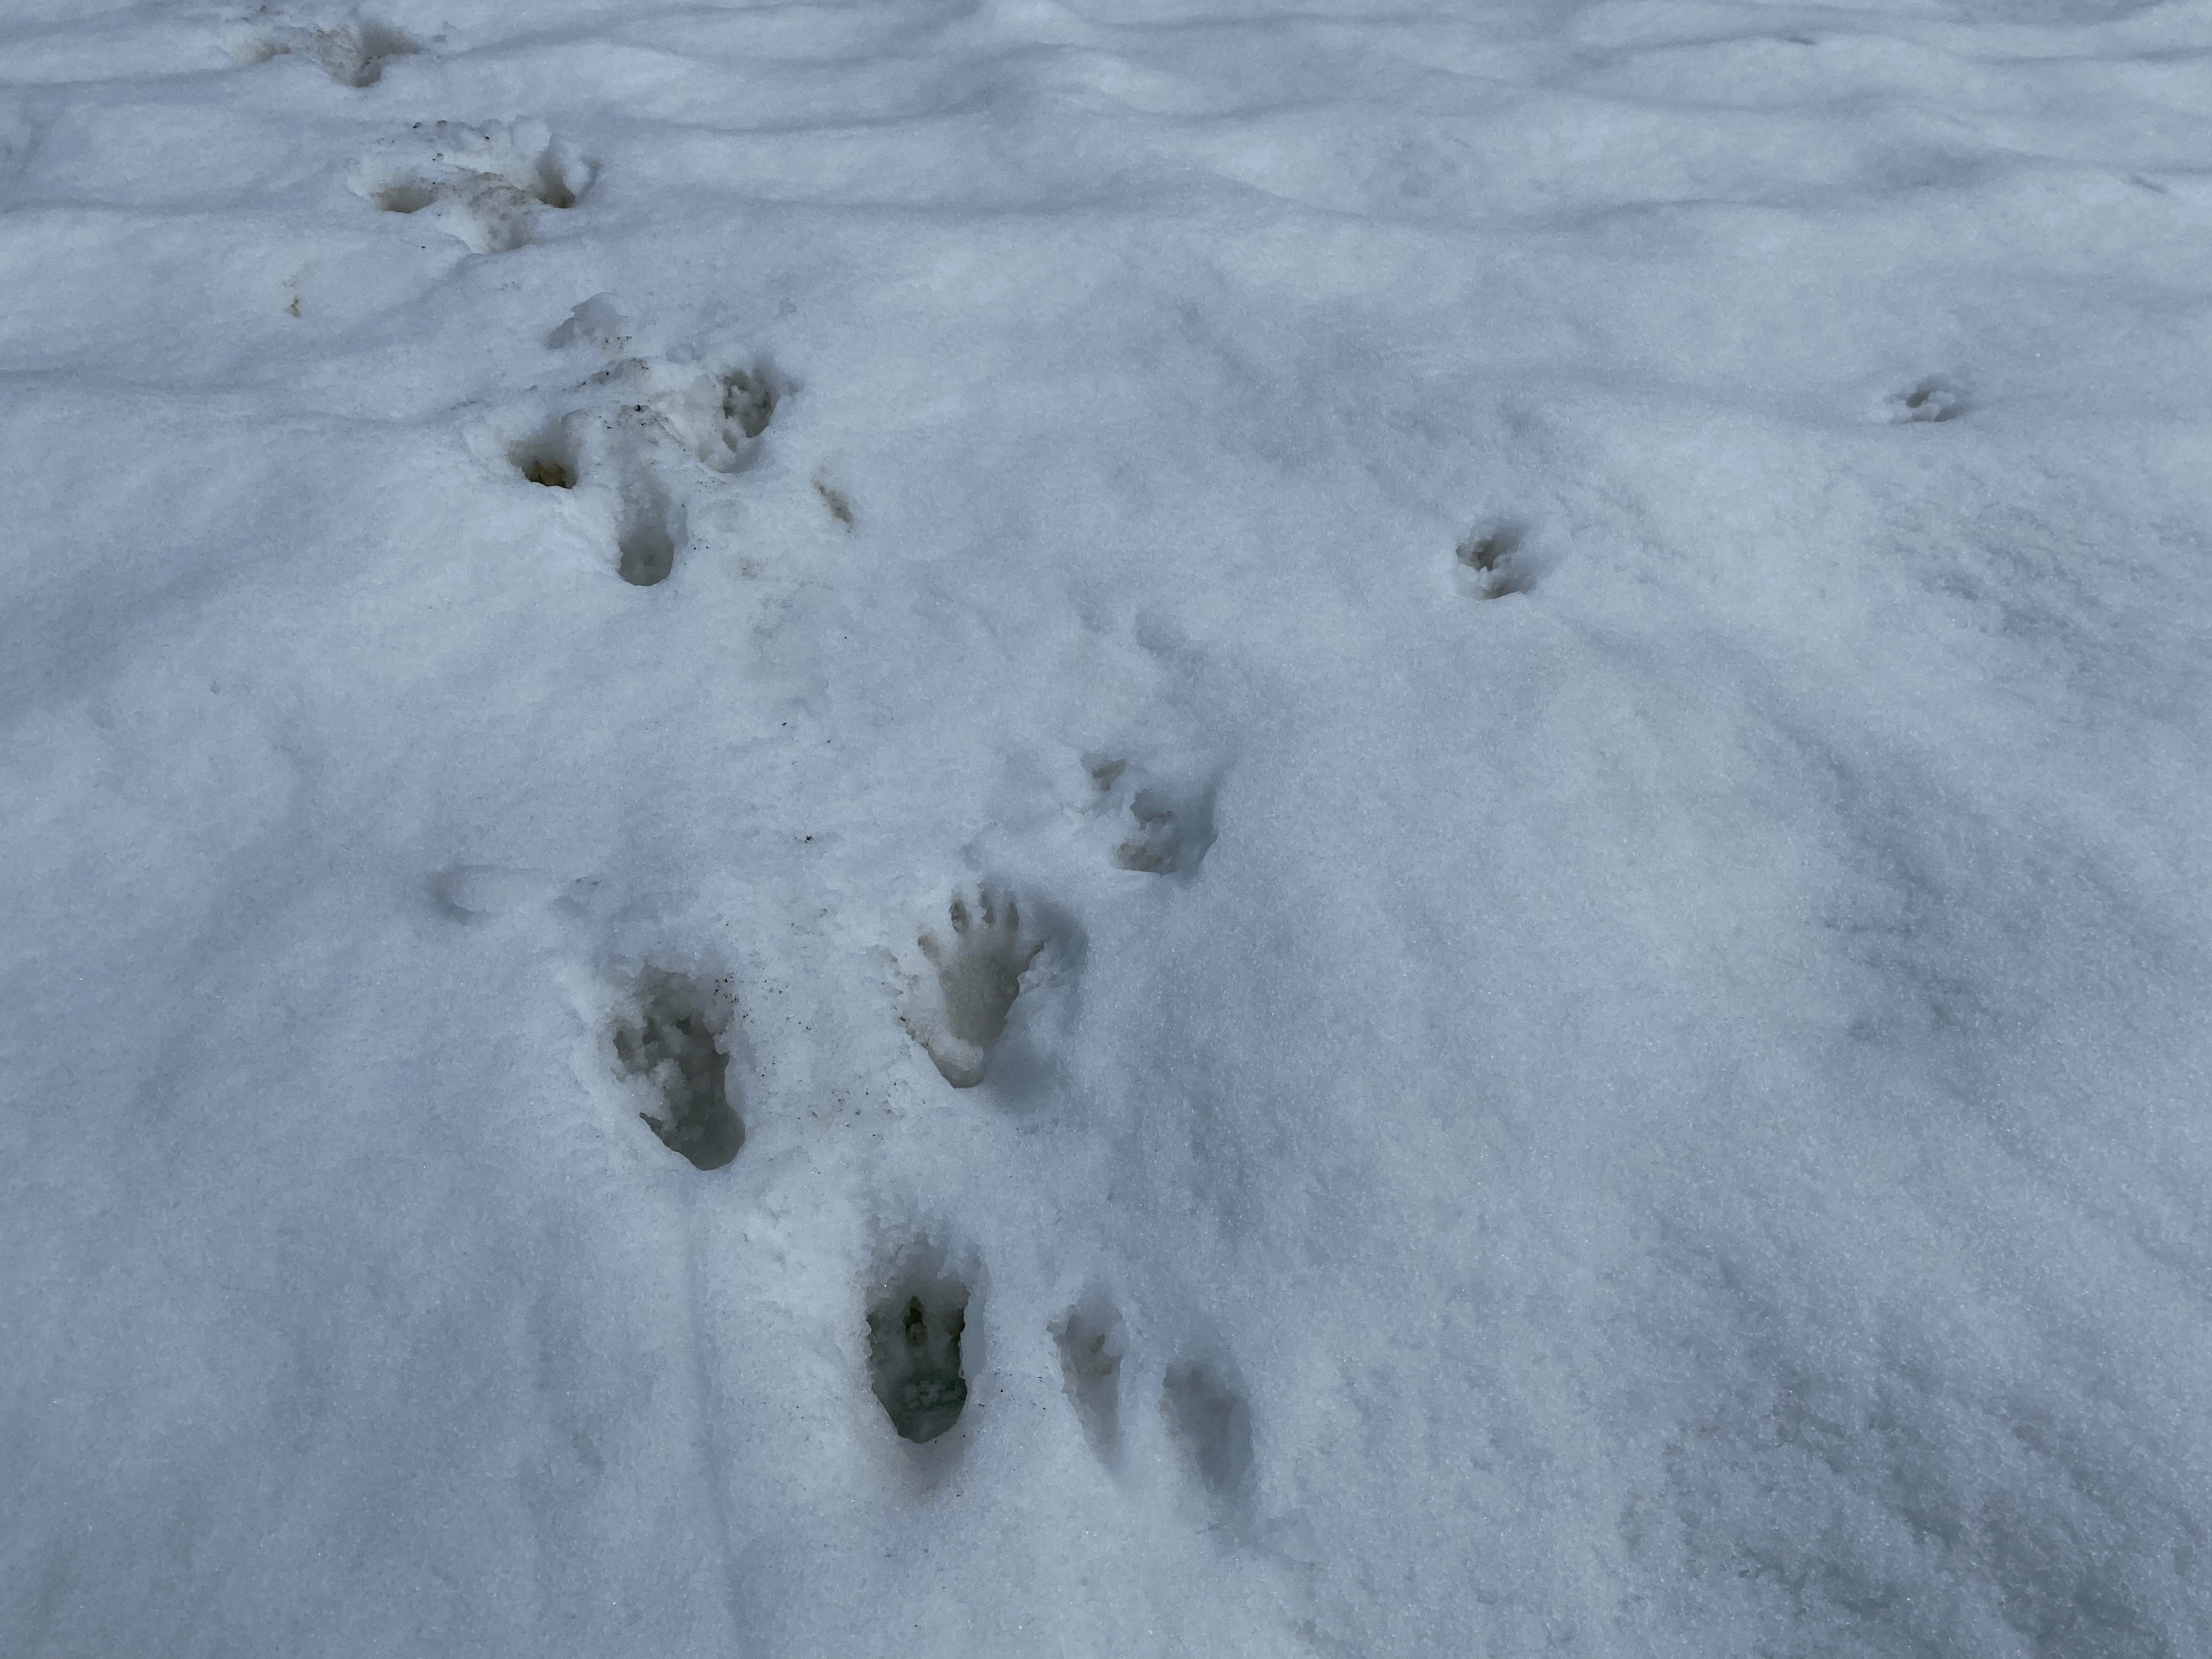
[552, 455]
[674, 1045]
[840, 505]
[479, 184]
[353, 55]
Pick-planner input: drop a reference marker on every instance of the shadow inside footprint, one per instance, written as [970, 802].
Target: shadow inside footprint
[914, 1355]
[481, 185]
[749, 399]
[647, 545]
[674, 1043]
[1172, 833]
[356, 56]
[720, 418]
[351, 55]
[1211, 1424]
[1935, 399]
[552, 185]
[550, 456]
[978, 978]
[1089, 1343]
[1490, 562]
[402, 196]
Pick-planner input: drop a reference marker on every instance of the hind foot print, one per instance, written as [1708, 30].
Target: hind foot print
[978, 974]
[671, 1046]
[914, 1355]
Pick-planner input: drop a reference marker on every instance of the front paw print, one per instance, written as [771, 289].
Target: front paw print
[978, 976]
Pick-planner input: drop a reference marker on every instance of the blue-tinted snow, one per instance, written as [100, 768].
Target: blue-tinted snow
[1579, 632]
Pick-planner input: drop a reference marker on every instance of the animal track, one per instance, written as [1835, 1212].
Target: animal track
[552, 455]
[1091, 1345]
[749, 400]
[351, 54]
[1169, 830]
[1172, 835]
[1489, 564]
[647, 546]
[481, 186]
[580, 447]
[1212, 1425]
[672, 1044]
[978, 976]
[913, 1352]
[1934, 399]
[720, 418]
[612, 447]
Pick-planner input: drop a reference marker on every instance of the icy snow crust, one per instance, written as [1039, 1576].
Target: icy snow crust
[1579, 630]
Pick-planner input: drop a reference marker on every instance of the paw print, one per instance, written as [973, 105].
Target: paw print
[978, 976]
[1489, 563]
[670, 1043]
[1169, 822]
[481, 186]
[914, 1361]
[351, 54]
[1940, 398]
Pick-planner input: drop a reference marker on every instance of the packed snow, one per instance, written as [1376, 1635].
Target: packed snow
[1151, 827]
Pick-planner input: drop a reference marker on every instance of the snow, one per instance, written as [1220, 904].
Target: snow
[1561, 649]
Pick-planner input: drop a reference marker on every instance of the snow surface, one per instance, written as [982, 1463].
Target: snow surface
[1568, 642]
